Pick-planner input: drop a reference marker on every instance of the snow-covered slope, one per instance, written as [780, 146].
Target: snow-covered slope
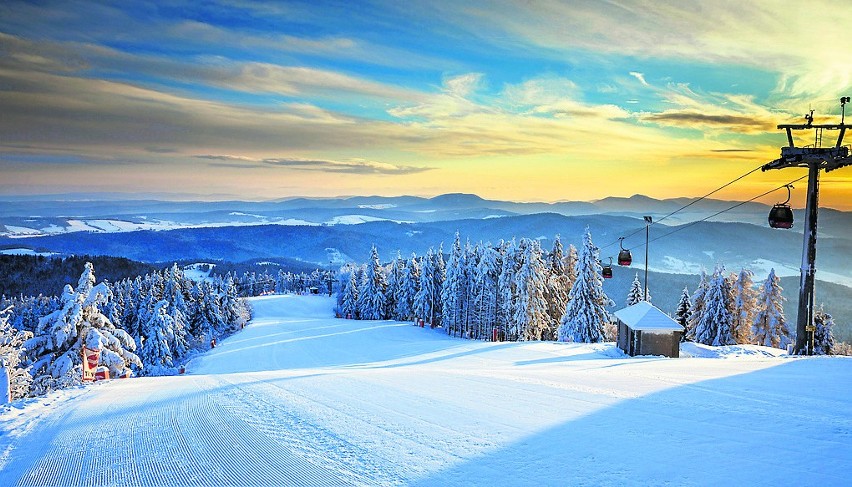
[301, 398]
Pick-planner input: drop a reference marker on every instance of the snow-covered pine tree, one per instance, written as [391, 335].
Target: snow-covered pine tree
[485, 291]
[371, 295]
[558, 285]
[471, 258]
[530, 282]
[57, 346]
[12, 355]
[394, 283]
[714, 328]
[156, 350]
[178, 309]
[770, 327]
[823, 335]
[408, 289]
[349, 305]
[453, 292]
[636, 293]
[440, 274]
[425, 296]
[208, 313]
[235, 311]
[506, 292]
[744, 306]
[682, 312]
[696, 308]
[586, 315]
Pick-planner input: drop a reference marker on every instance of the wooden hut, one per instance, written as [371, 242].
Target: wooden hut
[643, 329]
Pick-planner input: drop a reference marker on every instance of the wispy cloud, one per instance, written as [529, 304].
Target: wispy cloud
[640, 77]
[801, 47]
[356, 166]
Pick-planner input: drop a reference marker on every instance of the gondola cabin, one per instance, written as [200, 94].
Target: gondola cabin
[781, 216]
[606, 271]
[624, 257]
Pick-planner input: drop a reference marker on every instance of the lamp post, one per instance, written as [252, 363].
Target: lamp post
[648, 222]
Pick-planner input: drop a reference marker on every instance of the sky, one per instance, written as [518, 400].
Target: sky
[514, 100]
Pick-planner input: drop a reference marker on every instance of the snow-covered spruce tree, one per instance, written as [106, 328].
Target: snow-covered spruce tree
[530, 283]
[408, 289]
[173, 293]
[586, 315]
[696, 308]
[425, 296]
[371, 295]
[453, 292]
[714, 327]
[394, 282]
[472, 254]
[485, 291]
[57, 346]
[558, 285]
[823, 335]
[349, 305]
[682, 312]
[235, 311]
[156, 350]
[207, 321]
[635, 294]
[506, 292]
[744, 306]
[770, 327]
[11, 355]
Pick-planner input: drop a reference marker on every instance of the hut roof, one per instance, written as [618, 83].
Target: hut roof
[645, 316]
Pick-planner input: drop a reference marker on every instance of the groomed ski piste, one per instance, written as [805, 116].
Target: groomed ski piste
[301, 398]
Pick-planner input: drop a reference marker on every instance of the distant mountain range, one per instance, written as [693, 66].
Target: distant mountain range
[333, 230]
[54, 216]
[328, 232]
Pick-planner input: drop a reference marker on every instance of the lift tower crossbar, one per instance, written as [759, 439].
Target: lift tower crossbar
[814, 158]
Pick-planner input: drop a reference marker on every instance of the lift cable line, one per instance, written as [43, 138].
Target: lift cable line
[727, 209]
[687, 225]
[620, 239]
[712, 192]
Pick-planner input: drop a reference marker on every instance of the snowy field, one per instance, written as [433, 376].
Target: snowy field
[301, 398]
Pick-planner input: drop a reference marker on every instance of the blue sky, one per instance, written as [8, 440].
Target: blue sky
[518, 100]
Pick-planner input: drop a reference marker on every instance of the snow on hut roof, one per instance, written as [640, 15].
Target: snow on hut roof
[645, 316]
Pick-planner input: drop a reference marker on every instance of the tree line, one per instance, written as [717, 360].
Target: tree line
[516, 290]
[148, 325]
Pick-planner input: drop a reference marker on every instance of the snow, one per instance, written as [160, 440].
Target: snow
[382, 206]
[200, 271]
[295, 222]
[674, 265]
[301, 398]
[80, 226]
[353, 219]
[15, 231]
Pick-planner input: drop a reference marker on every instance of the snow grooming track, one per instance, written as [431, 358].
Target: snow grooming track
[267, 412]
[168, 431]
